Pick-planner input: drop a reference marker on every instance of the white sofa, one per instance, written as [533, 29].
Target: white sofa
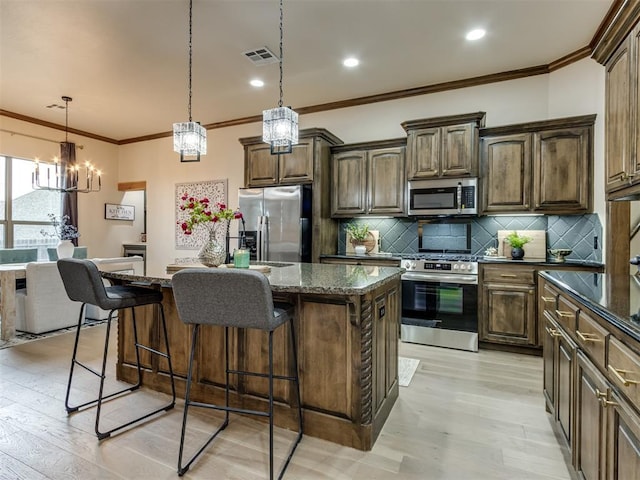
[44, 305]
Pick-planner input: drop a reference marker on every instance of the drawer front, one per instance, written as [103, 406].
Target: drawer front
[508, 275]
[623, 369]
[549, 300]
[592, 337]
[566, 314]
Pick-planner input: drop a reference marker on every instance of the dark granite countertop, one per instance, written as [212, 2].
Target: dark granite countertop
[543, 262]
[616, 298]
[313, 278]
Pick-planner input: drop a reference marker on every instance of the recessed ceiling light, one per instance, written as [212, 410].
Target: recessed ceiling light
[256, 83]
[476, 34]
[350, 62]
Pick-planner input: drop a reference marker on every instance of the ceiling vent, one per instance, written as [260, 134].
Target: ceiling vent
[261, 56]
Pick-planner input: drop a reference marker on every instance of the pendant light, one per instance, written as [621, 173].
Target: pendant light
[280, 124]
[189, 138]
[66, 175]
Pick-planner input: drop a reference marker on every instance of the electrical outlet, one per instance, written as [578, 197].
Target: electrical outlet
[595, 242]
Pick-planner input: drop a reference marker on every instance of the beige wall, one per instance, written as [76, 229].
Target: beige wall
[575, 90]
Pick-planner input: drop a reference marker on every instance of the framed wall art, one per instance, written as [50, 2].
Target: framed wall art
[215, 191]
[115, 211]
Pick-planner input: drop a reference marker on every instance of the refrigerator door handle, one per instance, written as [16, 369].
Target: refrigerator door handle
[263, 239]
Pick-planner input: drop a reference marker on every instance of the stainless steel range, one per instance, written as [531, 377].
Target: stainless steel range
[440, 300]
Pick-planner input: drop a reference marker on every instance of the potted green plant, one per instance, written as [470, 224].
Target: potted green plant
[358, 234]
[517, 242]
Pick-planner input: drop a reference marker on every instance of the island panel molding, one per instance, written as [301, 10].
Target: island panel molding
[116, 211]
[215, 191]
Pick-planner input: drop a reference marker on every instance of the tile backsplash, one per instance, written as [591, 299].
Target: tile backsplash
[577, 232]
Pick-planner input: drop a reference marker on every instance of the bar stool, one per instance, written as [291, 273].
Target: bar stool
[83, 283]
[240, 299]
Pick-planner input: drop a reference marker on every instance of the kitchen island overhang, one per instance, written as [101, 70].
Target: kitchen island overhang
[347, 321]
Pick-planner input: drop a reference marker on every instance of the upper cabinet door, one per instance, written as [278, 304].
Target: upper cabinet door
[506, 173]
[618, 117]
[562, 169]
[349, 183]
[424, 146]
[459, 150]
[386, 181]
[443, 146]
[297, 166]
[261, 168]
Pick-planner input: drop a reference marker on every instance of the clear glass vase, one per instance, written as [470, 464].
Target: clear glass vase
[214, 252]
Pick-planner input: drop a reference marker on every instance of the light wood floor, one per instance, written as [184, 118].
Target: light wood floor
[464, 416]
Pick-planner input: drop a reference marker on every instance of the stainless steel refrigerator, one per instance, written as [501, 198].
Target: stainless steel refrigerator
[277, 222]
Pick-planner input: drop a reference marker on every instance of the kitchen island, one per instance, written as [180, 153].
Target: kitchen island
[347, 325]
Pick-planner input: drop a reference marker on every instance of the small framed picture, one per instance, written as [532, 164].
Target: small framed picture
[113, 211]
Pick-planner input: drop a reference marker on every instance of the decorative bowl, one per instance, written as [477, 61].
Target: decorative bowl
[559, 253]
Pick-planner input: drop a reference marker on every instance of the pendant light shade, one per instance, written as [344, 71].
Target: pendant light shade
[189, 138]
[280, 129]
[280, 124]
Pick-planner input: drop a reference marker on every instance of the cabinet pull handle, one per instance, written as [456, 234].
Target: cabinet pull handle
[560, 313]
[553, 332]
[548, 299]
[619, 374]
[603, 398]
[508, 275]
[588, 337]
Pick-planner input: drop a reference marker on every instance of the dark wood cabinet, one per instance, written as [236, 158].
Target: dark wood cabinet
[591, 375]
[443, 146]
[506, 161]
[623, 440]
[369, 178]
[263, 169]
[592, 393]
[619, 51]
[543, 167]
[562, 175]
[618, 111]
[549, 355]
[564, 383]
[508, 312]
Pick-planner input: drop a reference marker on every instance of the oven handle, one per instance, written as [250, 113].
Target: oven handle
[420, 277]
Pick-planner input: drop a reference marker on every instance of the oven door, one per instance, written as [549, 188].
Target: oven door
[440, 310]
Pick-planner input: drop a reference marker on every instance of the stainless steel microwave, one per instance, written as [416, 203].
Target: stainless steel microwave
[443, 196]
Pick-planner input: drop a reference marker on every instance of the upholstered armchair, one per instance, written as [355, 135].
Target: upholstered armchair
[44, 305]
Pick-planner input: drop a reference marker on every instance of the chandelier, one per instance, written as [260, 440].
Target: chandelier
[66, 175]
[189, 138]
[280, 124]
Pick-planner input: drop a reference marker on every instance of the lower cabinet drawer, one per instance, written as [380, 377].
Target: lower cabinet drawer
[566, 314]
[591, 337]
[623, 368]
[508, 275]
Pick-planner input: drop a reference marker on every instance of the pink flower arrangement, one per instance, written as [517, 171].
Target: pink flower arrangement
[201, 212]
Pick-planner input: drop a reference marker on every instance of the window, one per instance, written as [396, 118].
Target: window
[24, 211]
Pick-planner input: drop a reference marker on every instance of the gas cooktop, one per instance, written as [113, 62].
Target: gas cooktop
[444, 257]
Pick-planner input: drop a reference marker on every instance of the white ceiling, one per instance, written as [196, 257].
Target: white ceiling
[125, 62]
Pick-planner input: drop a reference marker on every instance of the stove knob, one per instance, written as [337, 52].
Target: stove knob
[463, 266]
[407, 265]
[456, 266]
